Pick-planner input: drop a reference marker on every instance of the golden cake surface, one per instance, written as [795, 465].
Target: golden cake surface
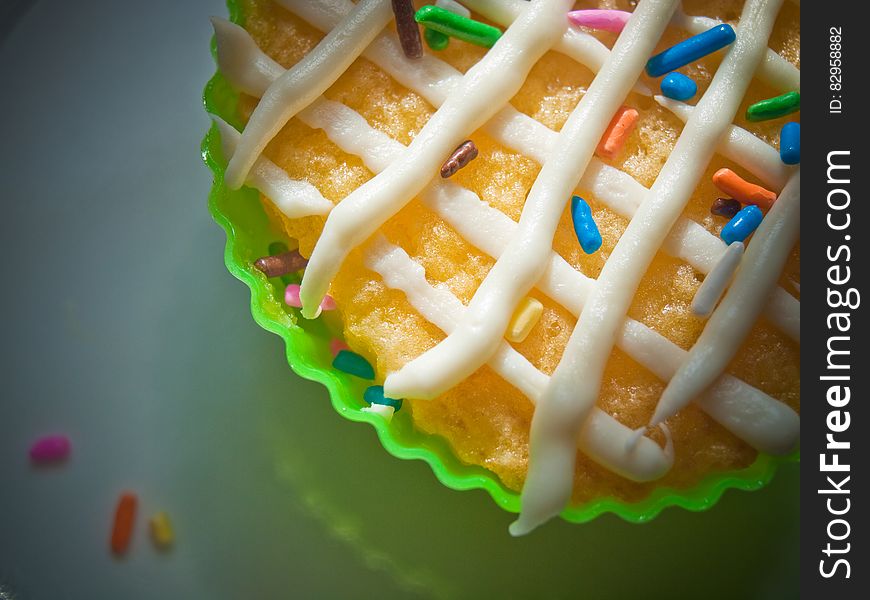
[485, 419]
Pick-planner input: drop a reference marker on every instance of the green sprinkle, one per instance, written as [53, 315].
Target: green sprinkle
[435, 39]
[375, 395]
[773, 108]
[353, 363]
[462, 28]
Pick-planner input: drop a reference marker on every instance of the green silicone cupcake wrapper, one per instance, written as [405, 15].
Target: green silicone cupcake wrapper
[249, 234]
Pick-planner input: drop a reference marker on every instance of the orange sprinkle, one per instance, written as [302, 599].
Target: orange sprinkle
[617, 132]
[738, 188]
[122, 530]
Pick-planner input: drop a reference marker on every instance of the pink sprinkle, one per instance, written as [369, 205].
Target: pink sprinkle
[50, 448]
[328, 303]
[608, 20]
[291, 296]
[336, 345]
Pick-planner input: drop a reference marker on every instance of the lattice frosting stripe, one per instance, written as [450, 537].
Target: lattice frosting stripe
[515, 272]
[575, 383]
[485, 88]
[775, 70]
[306, 81]
[741, 408]
[752, 413]
[602, 438]
[434, 80]
[733, 318]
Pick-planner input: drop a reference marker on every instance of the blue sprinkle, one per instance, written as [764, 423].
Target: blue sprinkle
[353, 363]
[690, 50]
[743, 224]
[678, 86]
[790, 143]
[375, 395]
[584, 225]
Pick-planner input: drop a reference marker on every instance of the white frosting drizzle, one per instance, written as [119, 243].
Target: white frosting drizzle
[294, 198]
[602, 437]
[747, 412]
[434, 80]
[306, 81]
[484, 89]
[735, 316]
[576, 382]
[774, 70]
[584, 48]
[743, 147]
[713, 286]
[515, 272]
[760, 420]
[454, 7]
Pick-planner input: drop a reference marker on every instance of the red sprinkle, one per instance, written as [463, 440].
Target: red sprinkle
[125, 516]
[407, 28]
[336, 345]
[51, 448]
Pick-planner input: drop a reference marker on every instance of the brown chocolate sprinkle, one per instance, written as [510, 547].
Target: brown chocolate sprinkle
[281, 264]
[725, 207]
[409, 31]
[464, 154]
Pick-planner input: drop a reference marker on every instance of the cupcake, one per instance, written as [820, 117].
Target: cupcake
[552, 248]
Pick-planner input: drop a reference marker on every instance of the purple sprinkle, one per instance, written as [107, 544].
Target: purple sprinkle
[51, 448]
[725, 207]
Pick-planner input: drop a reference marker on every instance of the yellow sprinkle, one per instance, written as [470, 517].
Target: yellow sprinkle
[526, 316]
[161, 530]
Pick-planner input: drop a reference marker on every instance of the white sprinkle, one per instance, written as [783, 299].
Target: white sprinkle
[453, 7]
[383, 410]
[714, 284]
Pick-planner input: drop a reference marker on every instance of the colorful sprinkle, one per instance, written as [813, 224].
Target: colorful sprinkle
[742, 225]
[50, 448]
[464, 154]
[524, 319]
[773, 108]
[382, 410]
[725, 207]
[161, 530]
[747, 193]
[607, 20]
[406, 27]
[617, 132]
[679, 87]
[584, 225]
[353, 363]
[281, 264]
[716, 281]
[375, 395]
[291, 298]
[435, 39]
[690, 50]
[122, 529]
[336, 345]
[453, 7]
[459, 27]
[790, 143]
